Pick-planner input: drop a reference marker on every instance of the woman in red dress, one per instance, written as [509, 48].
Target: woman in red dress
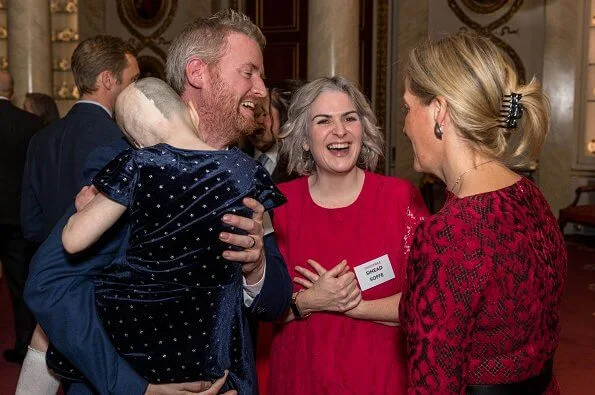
[486, 274]
[338, 336]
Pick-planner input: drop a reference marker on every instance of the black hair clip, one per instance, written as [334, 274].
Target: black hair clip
[511, 110]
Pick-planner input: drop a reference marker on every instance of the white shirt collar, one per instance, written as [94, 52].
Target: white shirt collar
[272, 153]
[97, 104]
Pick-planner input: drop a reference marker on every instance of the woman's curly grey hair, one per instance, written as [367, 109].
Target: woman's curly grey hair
[296, 130]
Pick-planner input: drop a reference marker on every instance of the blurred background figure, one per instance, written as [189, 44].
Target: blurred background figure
[270, 117]
[16, 129]
[43, 106]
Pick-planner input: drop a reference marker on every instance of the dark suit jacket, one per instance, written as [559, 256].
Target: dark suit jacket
[16, 129]
[60, 292]
[54, 168]
[279, 174]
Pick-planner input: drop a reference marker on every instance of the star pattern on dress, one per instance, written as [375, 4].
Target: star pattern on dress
[173, 264]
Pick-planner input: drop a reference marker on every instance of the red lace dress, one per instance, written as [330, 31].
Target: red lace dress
[484, 286]
[332, 353]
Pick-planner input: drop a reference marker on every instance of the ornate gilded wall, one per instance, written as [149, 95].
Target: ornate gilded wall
[149, 26]
[542, 38]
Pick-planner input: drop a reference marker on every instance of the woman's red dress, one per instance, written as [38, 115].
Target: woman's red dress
[332, 353]
[484, 286]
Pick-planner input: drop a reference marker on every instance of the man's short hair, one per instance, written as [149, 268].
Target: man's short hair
[205, 39]
[96, 55]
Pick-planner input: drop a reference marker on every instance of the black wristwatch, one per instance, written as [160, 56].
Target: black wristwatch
[295, 309]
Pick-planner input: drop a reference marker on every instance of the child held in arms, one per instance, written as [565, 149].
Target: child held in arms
[172, 304]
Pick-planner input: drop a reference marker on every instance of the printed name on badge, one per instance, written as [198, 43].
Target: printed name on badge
[375, 272]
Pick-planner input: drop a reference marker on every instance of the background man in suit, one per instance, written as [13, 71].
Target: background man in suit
[16, 128]
[270, 117]
[102, 67]
[216, 65]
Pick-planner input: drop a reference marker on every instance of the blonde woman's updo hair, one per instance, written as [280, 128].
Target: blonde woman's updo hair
[473, 76]
[295, 132]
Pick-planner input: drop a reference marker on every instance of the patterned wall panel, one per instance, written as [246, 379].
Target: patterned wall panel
[285, 25]
[515, 26]
[149, 26]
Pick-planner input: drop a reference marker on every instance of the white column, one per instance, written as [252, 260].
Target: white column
[333, 38]
[29, 47]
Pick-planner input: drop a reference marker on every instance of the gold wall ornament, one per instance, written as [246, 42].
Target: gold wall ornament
[65, 35]
[71, 6]
[484, 6]
[67, 91]
[3, 63]
[487, 31]
[591, 146]
[3, 33]
[152, 40]
[145, 13]
[61, 64]
[62, 6]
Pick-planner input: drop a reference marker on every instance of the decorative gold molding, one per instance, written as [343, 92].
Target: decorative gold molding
[487, 30]
[484, 6]
[61, 64]
[65, 35]
[67, 92]
[64, 7]
[153, 40]
[381, 67]
[3, 63]
[133, 12]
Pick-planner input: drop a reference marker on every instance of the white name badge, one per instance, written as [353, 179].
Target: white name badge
[375, 272]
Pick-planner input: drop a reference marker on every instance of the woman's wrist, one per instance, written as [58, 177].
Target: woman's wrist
[358, 311]
[304, 302]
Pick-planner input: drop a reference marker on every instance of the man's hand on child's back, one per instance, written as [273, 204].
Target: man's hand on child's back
[197, 387]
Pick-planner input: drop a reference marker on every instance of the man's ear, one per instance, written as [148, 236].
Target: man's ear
[106, 79]
[195, 72]
[194, 118]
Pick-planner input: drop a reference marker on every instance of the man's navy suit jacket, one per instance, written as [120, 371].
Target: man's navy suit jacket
[60, 292]
[16, 130]
[54, 168]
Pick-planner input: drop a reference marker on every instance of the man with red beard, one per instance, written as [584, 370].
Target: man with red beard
[215, 65]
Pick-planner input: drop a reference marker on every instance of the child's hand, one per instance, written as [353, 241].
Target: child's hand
[85, 196]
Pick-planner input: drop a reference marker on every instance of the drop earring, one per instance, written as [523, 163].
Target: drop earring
[438, 131]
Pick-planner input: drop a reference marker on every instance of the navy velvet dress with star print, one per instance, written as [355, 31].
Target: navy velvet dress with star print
[173, 305]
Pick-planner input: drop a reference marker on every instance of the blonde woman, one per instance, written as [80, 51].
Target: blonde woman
[486, 274]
